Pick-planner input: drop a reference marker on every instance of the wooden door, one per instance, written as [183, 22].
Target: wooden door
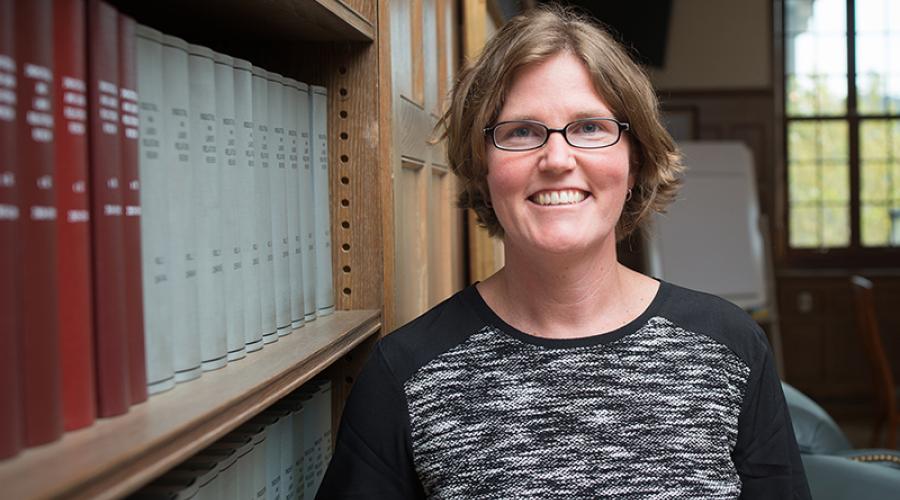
[427, 226]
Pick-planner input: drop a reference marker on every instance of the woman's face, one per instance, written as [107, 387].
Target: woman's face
[523, 184]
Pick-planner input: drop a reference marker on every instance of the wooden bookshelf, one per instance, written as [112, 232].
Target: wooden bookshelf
[116, 456]
[334, 43]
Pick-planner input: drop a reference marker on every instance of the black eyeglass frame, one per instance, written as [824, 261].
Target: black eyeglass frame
[622, 126]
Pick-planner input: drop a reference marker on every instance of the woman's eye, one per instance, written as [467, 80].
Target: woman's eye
[589, 128]
[521, 132]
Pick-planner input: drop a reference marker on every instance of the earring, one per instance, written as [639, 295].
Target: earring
[628, 196]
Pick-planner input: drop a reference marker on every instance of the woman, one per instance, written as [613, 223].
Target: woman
[565, 374]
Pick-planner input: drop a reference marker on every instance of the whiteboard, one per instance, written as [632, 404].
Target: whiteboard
[709, 239]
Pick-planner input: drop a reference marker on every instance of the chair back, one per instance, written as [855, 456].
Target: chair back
[867, 328]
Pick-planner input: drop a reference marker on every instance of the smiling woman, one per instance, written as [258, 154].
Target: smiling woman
[566, 374]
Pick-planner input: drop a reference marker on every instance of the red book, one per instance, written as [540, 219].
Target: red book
[73, 207]
[107, 210]
[37, 231]
[128, 133]
[10, 408]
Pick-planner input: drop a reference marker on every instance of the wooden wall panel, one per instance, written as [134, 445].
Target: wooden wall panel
[428, 241]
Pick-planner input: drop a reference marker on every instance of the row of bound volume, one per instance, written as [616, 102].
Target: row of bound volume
[164, 210]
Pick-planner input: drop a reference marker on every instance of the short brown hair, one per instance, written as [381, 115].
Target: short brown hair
[480, 91]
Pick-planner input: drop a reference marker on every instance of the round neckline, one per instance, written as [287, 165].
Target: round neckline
[489, 316]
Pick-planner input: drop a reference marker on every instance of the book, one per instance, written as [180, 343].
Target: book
[272, 453]
[230, 177]
[158, 343]
[263, 223]
[107, 211]
[10, 392]
[278, 176]
[246, 201]
[73, 208]
[319, 140]
[131, 224]
[180, 177]
[243, 445]
[206, 208]
[37, 237]
[294, 203]
[285, 430]
[307, 206]
[256, 457]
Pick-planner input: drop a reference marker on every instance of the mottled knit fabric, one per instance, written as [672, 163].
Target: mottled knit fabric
[682, 402]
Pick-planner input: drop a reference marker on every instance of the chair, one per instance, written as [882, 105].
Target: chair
[883, 378]
[834, 469]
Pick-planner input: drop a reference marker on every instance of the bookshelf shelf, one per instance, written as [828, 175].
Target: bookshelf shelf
[116, 456]
[284, 20]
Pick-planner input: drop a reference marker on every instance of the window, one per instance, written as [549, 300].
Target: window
[842, 126]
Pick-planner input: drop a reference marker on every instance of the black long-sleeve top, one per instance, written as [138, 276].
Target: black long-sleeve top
[683, 402]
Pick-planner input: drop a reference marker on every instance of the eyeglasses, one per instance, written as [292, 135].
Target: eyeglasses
[588, 133]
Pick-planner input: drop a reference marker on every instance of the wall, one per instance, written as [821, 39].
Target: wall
[717, 44]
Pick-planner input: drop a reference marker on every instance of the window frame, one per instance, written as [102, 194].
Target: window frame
[855, 255]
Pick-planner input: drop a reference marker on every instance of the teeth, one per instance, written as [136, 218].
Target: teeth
[566, 197]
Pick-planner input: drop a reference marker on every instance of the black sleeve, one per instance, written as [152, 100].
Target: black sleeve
[373, 457]
[766, 454]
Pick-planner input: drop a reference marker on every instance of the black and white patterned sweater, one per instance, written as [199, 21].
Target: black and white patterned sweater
[683, 402]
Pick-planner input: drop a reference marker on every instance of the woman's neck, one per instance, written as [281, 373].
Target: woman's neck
[567, 296]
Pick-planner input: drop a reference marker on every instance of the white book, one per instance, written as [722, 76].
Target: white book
[285, 415]
[322, 200]
[205, 467]
[207, 208]
[158, 347]
[291, 120]
[229, 168]
[307, 205]
[272, 454]
[182, 244]
[278, 175]
[256, 457]
[246, 202]
[263, 212]
[243, 468]
[228, 477]
[299, 403]
[322, 399]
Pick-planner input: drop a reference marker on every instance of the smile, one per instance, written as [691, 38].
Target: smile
[563, 197]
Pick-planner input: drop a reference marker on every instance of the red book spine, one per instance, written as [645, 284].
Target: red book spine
[75, 321]
[107, 212]
[10, 395]
[128, 131]
[37, 230]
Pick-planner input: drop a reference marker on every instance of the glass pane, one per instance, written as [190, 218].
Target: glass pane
[876, 225]
[874, 182]
[802, 141]
[818, 16]
[832, 95]
[894, 238]
[836, 225]
[871, 15]
[804, 227]
[871, 93]
[895, 181]
[833, 138]
[836, 183]
[893, 88]
[871, 53]
[831, 55]
[874, 140]
[797, 15]
[801, 95]
[804, 183]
